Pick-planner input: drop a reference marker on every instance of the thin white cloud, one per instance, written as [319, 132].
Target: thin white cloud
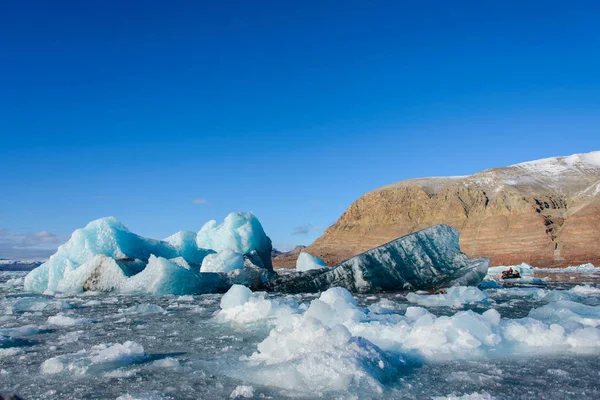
[199, 200]
[35, 245]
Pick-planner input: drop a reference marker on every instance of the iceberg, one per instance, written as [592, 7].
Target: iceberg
[307, 262]
[428, 259]
[240, 232]
[106, 256]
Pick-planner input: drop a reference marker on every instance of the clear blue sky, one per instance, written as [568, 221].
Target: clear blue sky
[288, 109]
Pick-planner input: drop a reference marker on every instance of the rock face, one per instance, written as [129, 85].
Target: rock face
[545, 213]
[429, 259]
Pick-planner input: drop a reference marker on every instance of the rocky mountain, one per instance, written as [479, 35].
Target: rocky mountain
[544, 212]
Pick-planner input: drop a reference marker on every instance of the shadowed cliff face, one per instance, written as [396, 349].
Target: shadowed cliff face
[545, 212]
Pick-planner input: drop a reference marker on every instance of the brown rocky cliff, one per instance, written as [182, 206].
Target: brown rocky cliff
[546, 213]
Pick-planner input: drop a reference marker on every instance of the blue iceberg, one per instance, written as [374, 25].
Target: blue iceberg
[105, 255]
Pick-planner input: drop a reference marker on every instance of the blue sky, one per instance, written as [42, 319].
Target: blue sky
[288, 109]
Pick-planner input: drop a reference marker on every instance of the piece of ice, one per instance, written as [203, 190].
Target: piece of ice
[64, 320]
[456, 296]
[585, 290]
[427, 259]
[98, 358]
[105, 236]
[242, 391]
[581, 269]
[145, 308]
[223, 261]
[242, 306]
[240, 232]
[306, 262]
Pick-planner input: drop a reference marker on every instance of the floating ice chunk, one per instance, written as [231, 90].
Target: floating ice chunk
[237, 295]
[456, 296]
[427, 259]
[36, 303]
[306, 262]
[144, 309]
[244, 391]
[223, 261]
[64, 320]
[336, 306]
[168, 362]
[311, 357]
[585, 290]
[145, 396]
[567, 312]
[581, 269]
[240, 232]
[10, 352]
[105, 236]
[99, 358]
[468, 396]
[25, 330]
[242, 306]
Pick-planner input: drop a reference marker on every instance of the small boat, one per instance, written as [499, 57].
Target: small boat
[510, 274]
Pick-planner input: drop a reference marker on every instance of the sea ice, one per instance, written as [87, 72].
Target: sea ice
[98, 358]
[242, 306]
[306, 262]
[456, 296]
[580, 269]
[242, 391]
[64, 320]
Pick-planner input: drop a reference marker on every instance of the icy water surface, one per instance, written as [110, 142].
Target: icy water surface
[107, 346]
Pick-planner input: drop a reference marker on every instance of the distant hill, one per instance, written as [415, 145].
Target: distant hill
[544, 212]
[19, 265]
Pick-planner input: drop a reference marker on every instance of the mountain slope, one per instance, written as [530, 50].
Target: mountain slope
[544, 212]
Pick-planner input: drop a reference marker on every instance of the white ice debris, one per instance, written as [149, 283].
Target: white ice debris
[456, 296]
[336, 345]
[64, 320]
[98, 358]
[585, 290]
[580, 269]
[468, 396]
[242, 391]
[145, 308]
[242, 306]
[306, 262]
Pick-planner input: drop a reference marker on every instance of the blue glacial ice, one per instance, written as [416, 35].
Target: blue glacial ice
[223, 261]
[106, 256]
[427, 259]
[306, 262]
